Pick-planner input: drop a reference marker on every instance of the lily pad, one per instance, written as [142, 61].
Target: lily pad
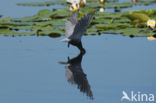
[60, 13]
[138, 16]
[92, 31]
[7, 32]
[43, 15]
[121, 5]
[146, 2]
[138, 32]
[52, 23]
[48, 3]
[53, 32]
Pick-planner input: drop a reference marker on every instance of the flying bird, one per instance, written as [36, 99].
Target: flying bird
[75, 30]
[75, 75]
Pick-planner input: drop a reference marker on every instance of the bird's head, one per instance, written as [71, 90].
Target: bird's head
[74, 7]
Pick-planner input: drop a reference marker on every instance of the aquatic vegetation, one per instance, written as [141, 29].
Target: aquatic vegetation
[151, 23]
[47, 3]
[52, 22]
[102, 1]
[93, 3]
[137, 16]
[151, 38]
[50, 31]
[7, 32]
[146, 2]
[74, 7]
[101, 9]
[82, 3]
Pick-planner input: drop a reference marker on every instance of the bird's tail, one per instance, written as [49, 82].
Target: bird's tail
[65, 40]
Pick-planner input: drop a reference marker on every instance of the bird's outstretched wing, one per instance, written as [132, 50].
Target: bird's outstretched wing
[81, 27]
[70, 24]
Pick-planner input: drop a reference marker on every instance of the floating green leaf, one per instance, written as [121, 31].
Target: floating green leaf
[52, 23]
[48, 3]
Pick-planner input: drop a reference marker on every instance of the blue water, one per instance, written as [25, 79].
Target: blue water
[30, 69]
[30, 72]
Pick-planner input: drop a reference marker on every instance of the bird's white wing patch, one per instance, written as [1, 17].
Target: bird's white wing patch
[70, 24]
[69, 28]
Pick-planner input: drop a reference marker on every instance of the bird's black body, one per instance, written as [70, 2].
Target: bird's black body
[75, 30]
[78, 45]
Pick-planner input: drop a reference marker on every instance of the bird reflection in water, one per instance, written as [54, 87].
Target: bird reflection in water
[75, 75]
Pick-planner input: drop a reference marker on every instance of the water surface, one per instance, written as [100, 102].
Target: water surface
[30, 71]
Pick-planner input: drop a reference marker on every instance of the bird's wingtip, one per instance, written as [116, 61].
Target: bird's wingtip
[62, 62]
